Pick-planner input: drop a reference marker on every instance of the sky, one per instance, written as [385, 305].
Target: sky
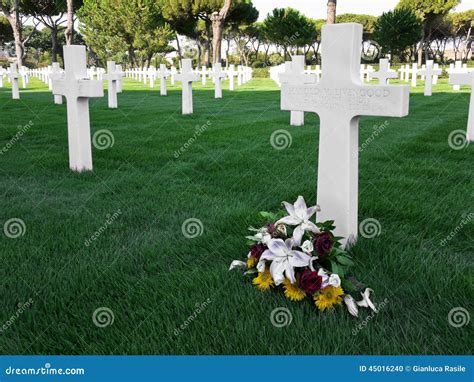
[316, 9]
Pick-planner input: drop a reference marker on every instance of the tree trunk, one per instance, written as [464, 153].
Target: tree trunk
[70, 22]
[179, 47]
[54, 44]
[331, 12]
[218, 20]
[12, 13]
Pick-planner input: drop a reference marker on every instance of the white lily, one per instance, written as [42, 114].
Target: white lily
[335, 280]
[325, 278]
[307, 246]
[365, 302]
[299, 216]
[284, 259]
[351, 305]
[261, 236]
[237, 264]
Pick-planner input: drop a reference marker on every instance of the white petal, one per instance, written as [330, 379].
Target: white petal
[289, 208]
[290, 273]
[237, 264]
[298, 235]
[365, 302]
[268, 255]
[261, 265]
[334, 280]
[299, 259]
[290, 220]
[277, 246]
[300, 207]
[311, 211]
[277, 269]
[310, 226]
[351, 305]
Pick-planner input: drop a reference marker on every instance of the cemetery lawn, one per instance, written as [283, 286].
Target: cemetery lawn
[140, 265]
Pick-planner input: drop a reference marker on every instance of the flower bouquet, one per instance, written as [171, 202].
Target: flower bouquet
[305, 258]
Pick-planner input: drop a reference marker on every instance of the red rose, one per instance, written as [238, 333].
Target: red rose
[310, 281]
[323, 243]
[257, 250]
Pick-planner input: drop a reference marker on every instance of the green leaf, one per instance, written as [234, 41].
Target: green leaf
[344, 260]
[336, 268]
[348, 286]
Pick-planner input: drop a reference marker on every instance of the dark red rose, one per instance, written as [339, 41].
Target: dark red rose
[257, 250]
[323, 243]
[310, 281]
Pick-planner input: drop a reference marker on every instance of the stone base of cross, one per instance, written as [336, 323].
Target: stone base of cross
[77, 89]
[339, 99]
[459, 79]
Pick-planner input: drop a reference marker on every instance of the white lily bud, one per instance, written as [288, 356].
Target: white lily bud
[335, 280]
[351, 305]
[237, 264]
[365, 302]
[307, 246]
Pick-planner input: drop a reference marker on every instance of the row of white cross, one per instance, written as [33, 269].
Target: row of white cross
[340, 97]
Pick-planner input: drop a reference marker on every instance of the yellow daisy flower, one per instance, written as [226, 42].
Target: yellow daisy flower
[264, 280]
[292, 292]
[328, 297]
[251, 262]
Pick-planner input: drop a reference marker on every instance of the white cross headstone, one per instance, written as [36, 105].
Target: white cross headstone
[384, 72]
[24, 76]
[466, 79]
[77, 89]
[429, 72]
[163, 74]
[240, 74]
[217, 74]
[173, 73]
[231, 73]
[187, 77]
[13, 76]
[294, 74]
[407, 73]
[48, 77]
[2, 73]
[435, 77]
[204, 74]
[414, 74]
[112, 77]
[56, 74]
[339, 99]
[422, 76]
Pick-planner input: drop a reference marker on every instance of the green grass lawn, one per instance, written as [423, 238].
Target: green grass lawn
[153, 278]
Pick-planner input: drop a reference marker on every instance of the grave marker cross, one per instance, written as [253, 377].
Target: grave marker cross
[429, 72]
[339, 99]
[77, 89]
[384, 72]
[459, 79]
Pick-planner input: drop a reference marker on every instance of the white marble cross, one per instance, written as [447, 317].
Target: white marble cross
[466, 79]
[294, 74]
[163, 74]
[240, 75]
[414, 74]
[13, 75]
[435, 77]
[339, 99]
[152, 76]
[56, 74]
[204, 73]
[173, 73]
[428, 72]
[112, 77]
[217, 74]
[384, 72]
[2, 73]
[77, 89]
[231, 73]
[187, 77]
